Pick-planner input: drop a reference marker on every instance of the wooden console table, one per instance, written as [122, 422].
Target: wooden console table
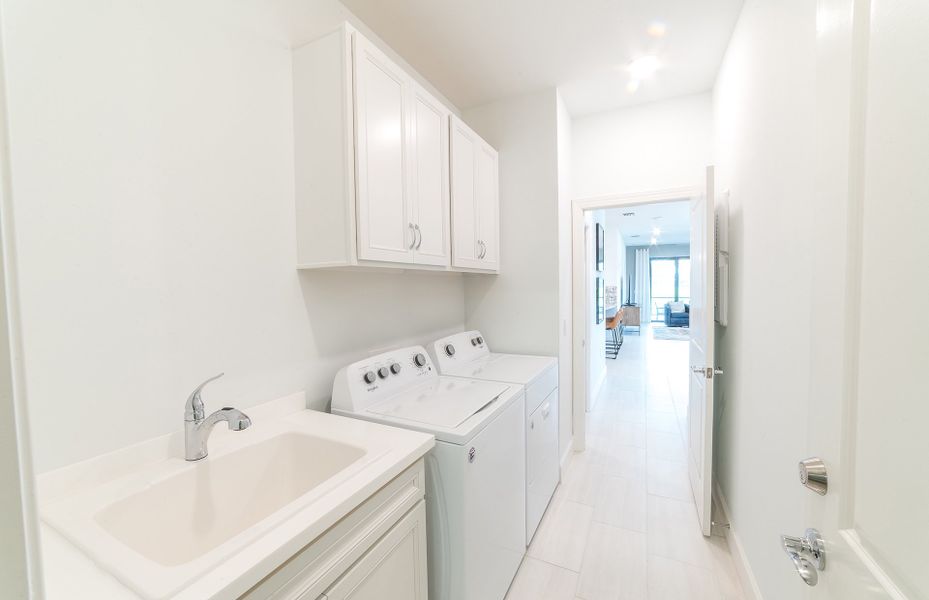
[631, 316]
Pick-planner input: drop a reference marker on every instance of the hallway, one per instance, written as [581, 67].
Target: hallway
[622, 525]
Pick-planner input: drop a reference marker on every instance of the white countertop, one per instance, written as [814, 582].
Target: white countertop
[73, 574]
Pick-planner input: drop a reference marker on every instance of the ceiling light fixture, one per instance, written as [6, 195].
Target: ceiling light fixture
[654, 241]
[656, 231]
[633, 86]
[657, 29]
[643, 67]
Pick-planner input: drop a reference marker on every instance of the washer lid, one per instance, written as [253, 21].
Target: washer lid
[445, 403]
[516, 368]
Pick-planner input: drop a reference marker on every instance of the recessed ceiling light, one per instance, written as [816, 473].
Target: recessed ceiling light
[654, 241]
[657, 29]
[644, 67]
[656, 231]
[635, 236]
[629, 214]
[633, 86]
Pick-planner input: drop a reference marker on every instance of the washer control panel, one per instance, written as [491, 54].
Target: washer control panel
[378, 377]
[460, 348]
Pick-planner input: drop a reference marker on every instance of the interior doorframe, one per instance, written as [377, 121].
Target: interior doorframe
[580, 309]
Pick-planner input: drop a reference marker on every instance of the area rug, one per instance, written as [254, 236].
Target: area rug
[671, 333]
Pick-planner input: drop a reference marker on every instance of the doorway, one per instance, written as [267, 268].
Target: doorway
[693, 323]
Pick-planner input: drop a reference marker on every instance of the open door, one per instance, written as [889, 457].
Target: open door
[702, 359]
[865, 463]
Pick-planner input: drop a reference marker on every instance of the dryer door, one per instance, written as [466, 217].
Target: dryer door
[494, 496]
[542, 469]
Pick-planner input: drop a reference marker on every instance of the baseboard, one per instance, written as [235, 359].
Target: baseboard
[742, 566]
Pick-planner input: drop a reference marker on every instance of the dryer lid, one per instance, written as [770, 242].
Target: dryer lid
[444, 402]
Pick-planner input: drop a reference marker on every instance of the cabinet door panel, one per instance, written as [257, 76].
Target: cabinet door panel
[383, 220]
[464, 207]
[485, 190]
[393, 569]
[430, 194]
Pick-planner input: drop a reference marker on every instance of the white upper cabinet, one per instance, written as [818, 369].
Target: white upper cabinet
[475, 200]
[372, 166]
[385, 230]
[429, 199]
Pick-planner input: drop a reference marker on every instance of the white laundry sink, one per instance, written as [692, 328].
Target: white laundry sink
[186, 515]
[169, 528]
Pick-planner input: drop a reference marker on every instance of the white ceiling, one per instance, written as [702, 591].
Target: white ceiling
[477, 51]
[673, 218]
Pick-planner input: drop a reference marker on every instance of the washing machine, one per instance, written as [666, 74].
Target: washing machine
[468, 355]
[475, 474]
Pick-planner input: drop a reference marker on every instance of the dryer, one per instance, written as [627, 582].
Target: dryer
[468, 355]
[475, 474]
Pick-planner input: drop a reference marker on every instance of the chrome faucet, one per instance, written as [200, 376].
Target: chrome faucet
[197, 427]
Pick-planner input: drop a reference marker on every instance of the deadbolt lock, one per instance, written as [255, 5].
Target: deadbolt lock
[813, 475]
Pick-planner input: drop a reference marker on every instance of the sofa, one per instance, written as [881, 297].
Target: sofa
[676, 319]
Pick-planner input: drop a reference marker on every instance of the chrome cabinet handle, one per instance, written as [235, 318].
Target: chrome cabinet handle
[483, 247]
[546, 410]
[413, 235]
[808, 554]
[418, 233]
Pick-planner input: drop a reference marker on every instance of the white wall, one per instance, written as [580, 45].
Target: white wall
[153, 193]
[654, 146]
[596, 336]
[565, 318]
[764, 105]
[518, 309]
[615, 253]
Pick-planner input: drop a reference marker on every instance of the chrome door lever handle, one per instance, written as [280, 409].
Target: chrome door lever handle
[808, 554]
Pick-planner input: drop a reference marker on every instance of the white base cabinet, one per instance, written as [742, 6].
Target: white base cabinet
[394, 569]
[377, 551]
[372, 165]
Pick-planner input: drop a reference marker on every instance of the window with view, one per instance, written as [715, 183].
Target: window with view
[670, 279]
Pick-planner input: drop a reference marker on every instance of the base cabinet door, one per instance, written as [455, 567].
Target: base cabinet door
[393, 569]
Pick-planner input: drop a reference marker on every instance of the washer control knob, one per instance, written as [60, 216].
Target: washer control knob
[419, 360]
[474, 341]
[449, 350]
[370, 377]
[395, 368]
[480, 340]
[383, 372]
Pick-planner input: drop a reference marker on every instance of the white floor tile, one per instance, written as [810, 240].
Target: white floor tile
[623, 524]
[562, 535]
[614, 565]
[669, 579]
[666, 446]
[669, 478]
[539, 580]
[674, 532]
[622, 503]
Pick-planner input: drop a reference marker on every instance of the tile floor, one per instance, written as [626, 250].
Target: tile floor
[622, 525]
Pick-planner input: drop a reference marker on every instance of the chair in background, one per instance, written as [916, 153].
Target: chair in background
[614, 334]
[677, 314]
